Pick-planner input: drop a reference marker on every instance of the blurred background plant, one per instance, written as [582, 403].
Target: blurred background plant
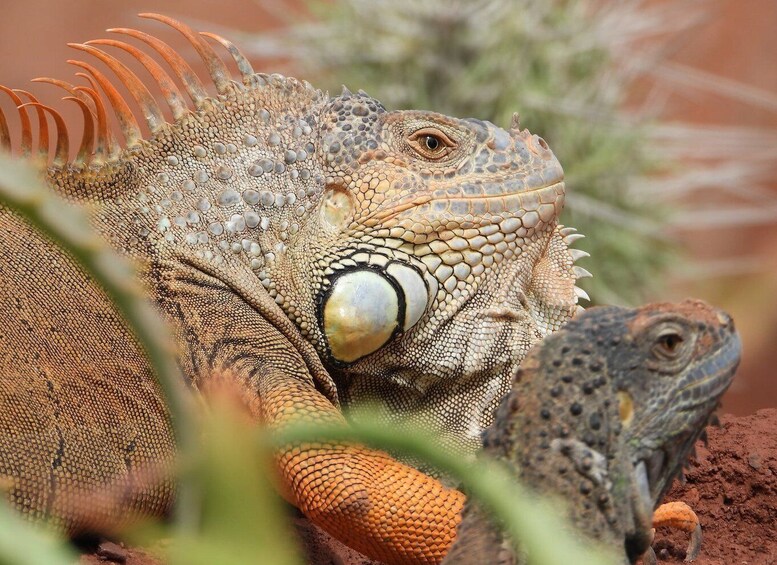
[579, 72]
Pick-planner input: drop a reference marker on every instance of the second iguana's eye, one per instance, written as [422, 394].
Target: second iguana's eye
[669, 344]
[431, 143]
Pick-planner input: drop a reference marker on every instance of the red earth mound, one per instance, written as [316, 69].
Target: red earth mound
[732, 486]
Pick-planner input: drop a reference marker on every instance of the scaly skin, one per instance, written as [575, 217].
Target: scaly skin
[603, 414]
[320, 251]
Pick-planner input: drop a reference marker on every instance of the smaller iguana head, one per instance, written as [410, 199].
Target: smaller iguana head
[668, 366]
[677, 361]
[604, 412]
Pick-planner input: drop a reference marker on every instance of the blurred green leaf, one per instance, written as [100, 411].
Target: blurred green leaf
[533, 522]
[242, 520]
[21, 543]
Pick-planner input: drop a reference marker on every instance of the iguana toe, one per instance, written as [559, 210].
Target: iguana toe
[679, 515]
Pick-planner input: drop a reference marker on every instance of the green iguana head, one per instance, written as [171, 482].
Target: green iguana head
[434, 256]
[419, 253]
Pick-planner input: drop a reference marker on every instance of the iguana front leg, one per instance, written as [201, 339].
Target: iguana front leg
[363, 497]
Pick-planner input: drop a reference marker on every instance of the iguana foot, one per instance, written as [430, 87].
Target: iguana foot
[679, 515]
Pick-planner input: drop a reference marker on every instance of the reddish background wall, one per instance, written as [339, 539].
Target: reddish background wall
[739, 41]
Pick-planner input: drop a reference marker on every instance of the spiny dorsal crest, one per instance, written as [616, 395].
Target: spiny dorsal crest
[98, 145]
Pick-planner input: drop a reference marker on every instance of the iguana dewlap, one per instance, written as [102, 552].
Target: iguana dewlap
[319, 250]
[603, 415]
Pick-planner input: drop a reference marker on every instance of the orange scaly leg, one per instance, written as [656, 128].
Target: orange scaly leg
[386, 510]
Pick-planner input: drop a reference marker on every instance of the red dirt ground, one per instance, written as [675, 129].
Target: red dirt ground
[731, 483]
[732, 486]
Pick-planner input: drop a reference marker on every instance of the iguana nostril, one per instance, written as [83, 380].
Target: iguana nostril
[539, 146]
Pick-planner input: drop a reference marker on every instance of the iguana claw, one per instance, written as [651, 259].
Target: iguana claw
[679, 515]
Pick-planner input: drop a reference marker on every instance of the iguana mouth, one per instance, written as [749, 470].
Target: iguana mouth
[649, 473]
[546, 201]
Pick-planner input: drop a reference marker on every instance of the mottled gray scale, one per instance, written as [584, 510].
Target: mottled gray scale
[203, 204]
[228, 197]
[251, 196]
[224, 172]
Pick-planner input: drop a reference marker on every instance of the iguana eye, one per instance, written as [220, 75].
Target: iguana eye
[669, 344]
[431, 143]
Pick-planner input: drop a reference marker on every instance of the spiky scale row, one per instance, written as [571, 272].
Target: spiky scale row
[170, 91]
[216, 67]
[43, 129]
[101, 141]
[26, 145]
[182, 69]
[243, 65]
[87, 141]
[151, 110]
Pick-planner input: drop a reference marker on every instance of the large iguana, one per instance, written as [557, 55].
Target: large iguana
[320, 250]
[603, 414]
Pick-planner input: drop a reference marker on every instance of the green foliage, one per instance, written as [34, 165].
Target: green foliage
[23, 544]
[241, 518]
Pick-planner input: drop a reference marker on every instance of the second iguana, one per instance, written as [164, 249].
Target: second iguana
[602, 415]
